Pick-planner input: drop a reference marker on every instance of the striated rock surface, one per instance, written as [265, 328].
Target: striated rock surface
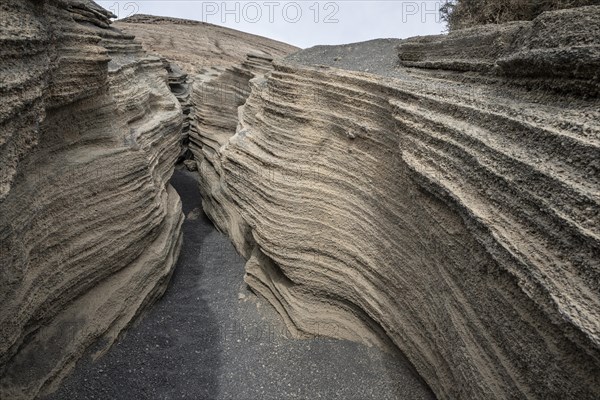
[197, 46]
[558, 50]
[439, 195]
[436, 195]
[89, 226]
[219, 64]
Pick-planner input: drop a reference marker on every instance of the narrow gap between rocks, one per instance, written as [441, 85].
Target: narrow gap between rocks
[209, 337]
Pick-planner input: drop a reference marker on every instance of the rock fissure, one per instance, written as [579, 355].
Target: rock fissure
[435, 196]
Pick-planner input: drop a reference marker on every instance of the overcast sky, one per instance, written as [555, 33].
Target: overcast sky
[301, 23]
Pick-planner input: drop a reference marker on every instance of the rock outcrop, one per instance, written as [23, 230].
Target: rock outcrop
[436, 195]
[89, 226]
[448, 207]
[91, 126]
[557, 51]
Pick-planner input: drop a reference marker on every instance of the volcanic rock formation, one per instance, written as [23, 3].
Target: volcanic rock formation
[90, 129]
[437, 194]
[89, 226]
[220, 63]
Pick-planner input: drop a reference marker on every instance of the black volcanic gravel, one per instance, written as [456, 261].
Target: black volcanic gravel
[210, 338]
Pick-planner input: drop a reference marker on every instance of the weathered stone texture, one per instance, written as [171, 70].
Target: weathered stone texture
[89, 226]
[449, 207]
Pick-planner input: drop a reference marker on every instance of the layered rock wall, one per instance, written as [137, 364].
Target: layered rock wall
[218, 64]
[439, 195]
[220, 94]
[449, 207]
[556, 51]
[89, 226]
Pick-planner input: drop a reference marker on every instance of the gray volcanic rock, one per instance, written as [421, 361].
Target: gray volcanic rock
[447, 205]
[89, 226]
[558, 50]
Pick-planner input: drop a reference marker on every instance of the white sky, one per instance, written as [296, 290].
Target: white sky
[303, 23]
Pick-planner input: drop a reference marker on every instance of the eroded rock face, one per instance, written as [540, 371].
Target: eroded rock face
[219, 64]
[558, 50]
[448, 207]
[89, 226]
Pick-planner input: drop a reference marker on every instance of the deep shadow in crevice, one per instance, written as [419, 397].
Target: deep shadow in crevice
[173, 351]
[210, 338]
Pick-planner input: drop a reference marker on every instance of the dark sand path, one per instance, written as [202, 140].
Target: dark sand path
[210, 338]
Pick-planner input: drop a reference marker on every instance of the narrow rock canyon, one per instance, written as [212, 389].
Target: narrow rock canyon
[436, 198]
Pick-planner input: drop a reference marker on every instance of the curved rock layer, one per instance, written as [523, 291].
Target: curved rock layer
[218, 64]
[89, 226]
[448, 209]
[220, 95]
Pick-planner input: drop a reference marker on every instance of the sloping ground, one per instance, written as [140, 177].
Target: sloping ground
[210, 338]
[448, 207]
[89, 135]
[197, 46]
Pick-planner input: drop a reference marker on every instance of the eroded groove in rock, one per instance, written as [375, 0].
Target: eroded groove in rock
[454, 215]
[223, 92]
[447, 207]
[89, 227]
[219, 62]
[181, 87]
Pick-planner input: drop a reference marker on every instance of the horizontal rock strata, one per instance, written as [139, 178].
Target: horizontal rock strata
[558, 50]
[449, 207]
[89, 226]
